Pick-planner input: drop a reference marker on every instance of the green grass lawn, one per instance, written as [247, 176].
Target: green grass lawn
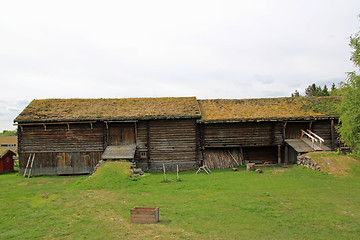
[281, 203]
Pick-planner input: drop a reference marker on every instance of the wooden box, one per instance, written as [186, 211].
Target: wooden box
[144, 215]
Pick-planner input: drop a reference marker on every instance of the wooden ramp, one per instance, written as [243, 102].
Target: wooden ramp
[121, 152]
[308, 142]
[299, 145]
[315, 146]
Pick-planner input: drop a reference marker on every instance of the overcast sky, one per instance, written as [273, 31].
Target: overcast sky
[207, 49]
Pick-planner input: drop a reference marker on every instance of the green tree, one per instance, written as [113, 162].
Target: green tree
[311, 90]
[350, 104]
[9, 133]
[295, 94]
[333, 87]
[325, 91]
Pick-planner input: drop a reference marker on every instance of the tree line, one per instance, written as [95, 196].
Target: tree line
[9, 133]
[317, 91]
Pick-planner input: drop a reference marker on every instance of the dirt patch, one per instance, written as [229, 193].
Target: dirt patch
[278, 171]
[334, 164]
[330, 166]
[23, 184]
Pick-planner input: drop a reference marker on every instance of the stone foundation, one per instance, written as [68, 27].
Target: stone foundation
[307, 162]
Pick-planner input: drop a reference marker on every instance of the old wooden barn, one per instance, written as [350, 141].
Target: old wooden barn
[265, 130]
[70, 136]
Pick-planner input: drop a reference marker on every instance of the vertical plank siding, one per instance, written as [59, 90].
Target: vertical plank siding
[293, 129]
[47, 163]
[121, 133]
[221, 157]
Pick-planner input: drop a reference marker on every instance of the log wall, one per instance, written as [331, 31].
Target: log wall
[78, 148]
[242, 134]
[169, 142]
[60, 138]
[323, 128]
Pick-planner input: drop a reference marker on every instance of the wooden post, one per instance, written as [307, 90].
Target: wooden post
[202, 147]
[177, 172]
[233, 157]
[32, 162]
[242, 156]
[279, 154]
[284, 131]
[27, 164]
[332, 135]
[164, 172]
[148, 143]
[107, 133]
[286, 154]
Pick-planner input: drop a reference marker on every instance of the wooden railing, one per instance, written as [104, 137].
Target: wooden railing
[321, 140]
[313, 137]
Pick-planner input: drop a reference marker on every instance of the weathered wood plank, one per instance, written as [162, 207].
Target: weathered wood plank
[59, 138]
[242, 134]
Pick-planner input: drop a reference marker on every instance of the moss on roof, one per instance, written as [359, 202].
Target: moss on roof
[267, 108]
[109, 109]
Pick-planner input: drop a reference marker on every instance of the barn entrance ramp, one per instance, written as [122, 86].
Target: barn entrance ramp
[308, 142]
[120, 152]
[299, 145]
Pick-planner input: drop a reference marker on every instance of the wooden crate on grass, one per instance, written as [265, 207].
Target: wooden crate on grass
[144, 215]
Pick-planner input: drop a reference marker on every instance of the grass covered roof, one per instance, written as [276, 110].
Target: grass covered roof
[227, 110]
[4, 151]
[53, 110]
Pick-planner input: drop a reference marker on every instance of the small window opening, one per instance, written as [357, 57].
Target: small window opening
[143, 154]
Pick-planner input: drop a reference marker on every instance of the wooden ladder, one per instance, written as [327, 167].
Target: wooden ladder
[30, 159]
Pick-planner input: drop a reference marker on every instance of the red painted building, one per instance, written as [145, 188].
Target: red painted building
[6, 161]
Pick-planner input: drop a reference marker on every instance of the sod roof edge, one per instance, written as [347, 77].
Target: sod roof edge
[205, 111]
[107, 119]
[56, 110]
[305, 118]
[268, 109]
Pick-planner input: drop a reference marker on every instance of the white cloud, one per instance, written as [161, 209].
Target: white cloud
[210, 49]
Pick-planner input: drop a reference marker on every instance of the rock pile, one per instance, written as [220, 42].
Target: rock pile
[138, 171]
[307, 162]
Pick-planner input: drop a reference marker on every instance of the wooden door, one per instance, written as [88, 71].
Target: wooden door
[293, 129]
[120, 134]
